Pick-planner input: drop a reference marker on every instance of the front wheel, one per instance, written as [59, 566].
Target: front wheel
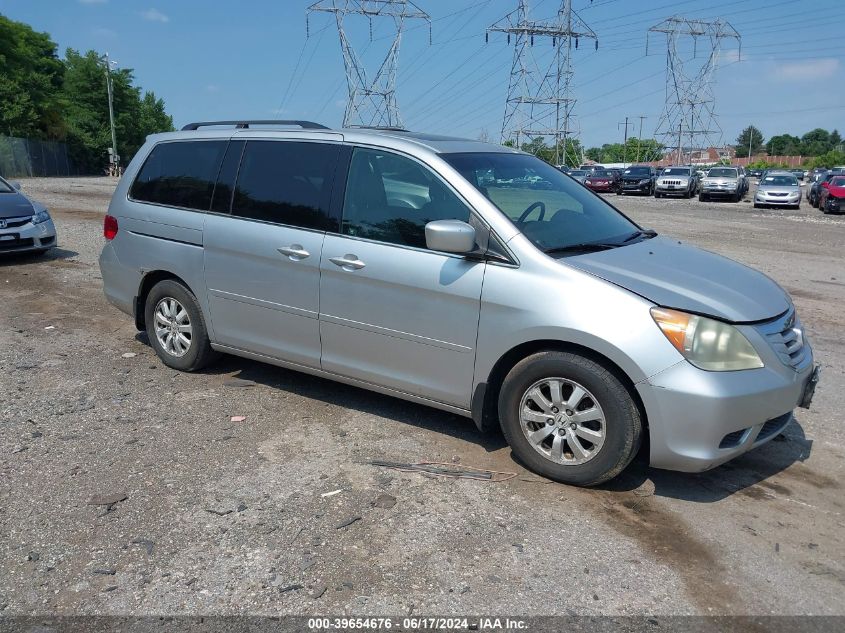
[568, 418]
[176, 328]
[702, 197]
[657, 194]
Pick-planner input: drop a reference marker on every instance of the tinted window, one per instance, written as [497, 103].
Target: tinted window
[391, 198]
[180, 174]
[550, 209]
[286, 183]
[222, 202]
[676, 171]
[780, 181]
[638, 171]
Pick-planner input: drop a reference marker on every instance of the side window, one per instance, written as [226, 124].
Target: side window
[180, 174]
[391, 198]
[286, 182]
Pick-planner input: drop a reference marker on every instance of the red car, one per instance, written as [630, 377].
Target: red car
[832, 195]
[603, 181]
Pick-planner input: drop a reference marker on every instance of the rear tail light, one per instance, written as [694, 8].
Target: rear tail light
[109, 227]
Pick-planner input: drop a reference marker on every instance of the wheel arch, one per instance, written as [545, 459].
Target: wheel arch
[148, 281]
[485, 399]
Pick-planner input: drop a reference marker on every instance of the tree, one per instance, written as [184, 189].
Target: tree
[816, 142]
[784, 145]
[30, 81]
[750, 138]
[85, 98]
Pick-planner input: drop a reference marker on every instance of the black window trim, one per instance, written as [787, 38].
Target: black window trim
[473, 212]
[227, 140]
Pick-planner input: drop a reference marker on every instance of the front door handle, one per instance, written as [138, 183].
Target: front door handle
[348, 262]
[295, 252]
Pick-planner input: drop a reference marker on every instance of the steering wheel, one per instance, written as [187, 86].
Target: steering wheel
[528, 211]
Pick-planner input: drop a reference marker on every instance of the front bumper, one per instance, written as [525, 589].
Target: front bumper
[700, 419]
[834, 205]
[783, 201]
[28, 237]
[636, 187]
[597, 187]
[716, 192]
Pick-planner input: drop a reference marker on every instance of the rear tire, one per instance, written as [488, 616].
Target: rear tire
[595, 429]
[176, 327]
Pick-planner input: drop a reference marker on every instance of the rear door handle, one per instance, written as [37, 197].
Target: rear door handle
[348, 262]
[295, 252]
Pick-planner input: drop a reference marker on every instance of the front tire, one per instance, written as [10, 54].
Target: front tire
[176, 327]
[702, 197]
[568, 418]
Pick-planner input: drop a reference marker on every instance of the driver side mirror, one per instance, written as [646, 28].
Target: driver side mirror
[15, 185]
[450, 236]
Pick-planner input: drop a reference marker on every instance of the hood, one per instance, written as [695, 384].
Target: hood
[675, 275]
[14, 205]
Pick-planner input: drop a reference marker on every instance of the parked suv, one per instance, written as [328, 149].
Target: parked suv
[473, 278]
[682, 181]
[638, 179]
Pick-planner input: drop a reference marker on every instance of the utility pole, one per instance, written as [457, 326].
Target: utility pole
[540, 99]
[625, 141]
[750, 136]
[689, 81]
[114, 159]
[640, 135]
[371, 102]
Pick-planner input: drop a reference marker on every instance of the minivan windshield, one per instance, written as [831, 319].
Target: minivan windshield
[553, 211]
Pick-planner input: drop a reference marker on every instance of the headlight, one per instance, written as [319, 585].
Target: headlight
[706, 343]
[644, 181]
[41, 216]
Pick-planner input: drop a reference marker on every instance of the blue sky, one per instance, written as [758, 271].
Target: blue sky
[251, 59]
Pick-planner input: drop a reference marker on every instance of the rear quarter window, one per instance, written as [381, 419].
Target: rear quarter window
[180, 174]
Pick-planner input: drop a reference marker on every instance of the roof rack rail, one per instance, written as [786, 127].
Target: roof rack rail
[244, 125]
[383, 128]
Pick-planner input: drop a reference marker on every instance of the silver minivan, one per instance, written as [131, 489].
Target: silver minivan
[462, 275]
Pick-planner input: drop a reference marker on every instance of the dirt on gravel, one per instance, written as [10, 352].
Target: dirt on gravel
[126, 488]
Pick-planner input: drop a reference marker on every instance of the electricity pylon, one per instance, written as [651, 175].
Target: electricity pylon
[690, 109]
[540, 99]
[371, 102]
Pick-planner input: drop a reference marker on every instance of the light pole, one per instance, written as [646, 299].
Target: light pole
[115, 157]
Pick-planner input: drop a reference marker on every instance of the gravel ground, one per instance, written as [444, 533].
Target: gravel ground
[126, 489]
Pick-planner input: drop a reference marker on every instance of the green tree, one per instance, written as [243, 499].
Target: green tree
[816, 142]
[85, 97]
[30, 81]
[784, 145]
[751, 138]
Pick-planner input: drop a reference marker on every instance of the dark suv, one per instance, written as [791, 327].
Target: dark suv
[638, 179]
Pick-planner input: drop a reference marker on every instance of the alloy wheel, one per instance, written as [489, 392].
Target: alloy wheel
[173, 328]
[562, 421]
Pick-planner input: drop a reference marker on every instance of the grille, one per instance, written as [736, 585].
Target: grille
[786, 336]
[13, 222]
[16, 243]
[673, 182]
[777, 193]
[774, 426]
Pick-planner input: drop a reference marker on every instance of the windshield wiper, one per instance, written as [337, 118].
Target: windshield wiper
[584, 246]
[644, 233]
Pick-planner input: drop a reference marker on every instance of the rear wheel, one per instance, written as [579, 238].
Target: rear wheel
[176, 328]
[568, 418]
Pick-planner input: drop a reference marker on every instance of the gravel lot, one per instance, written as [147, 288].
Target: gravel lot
[126, 489]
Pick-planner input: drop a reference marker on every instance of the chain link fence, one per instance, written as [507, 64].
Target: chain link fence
[23, 157]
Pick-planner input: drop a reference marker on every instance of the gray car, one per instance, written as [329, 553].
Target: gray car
[778, 189]
[25, 225]
[469, 277]
[722, 182]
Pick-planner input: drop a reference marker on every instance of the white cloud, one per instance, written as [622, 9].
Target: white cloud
[807, 70]
[729, 56]
[154, 15]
